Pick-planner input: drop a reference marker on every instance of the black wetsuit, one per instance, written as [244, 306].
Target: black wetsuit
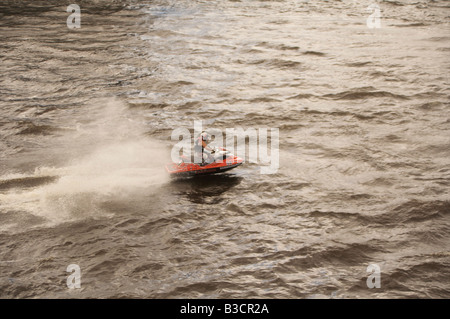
[198, 147]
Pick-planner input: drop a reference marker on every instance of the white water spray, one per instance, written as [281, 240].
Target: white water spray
[110, 158]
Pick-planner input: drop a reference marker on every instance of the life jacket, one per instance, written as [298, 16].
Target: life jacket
[201, 137]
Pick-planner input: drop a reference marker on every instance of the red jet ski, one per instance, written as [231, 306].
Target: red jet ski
[222, 161]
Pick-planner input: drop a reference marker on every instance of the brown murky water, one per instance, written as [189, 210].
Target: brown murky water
[86, 119]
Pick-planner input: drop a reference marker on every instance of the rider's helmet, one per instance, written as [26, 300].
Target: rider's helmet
[206, 137]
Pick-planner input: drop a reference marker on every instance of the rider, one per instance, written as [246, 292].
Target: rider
[201, 144]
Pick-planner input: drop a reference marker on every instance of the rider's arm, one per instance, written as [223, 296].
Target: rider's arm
[206, 147]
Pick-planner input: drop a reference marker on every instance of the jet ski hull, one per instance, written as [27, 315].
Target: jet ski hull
[184, 169]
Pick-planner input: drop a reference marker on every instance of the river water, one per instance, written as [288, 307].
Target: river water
[364, 149]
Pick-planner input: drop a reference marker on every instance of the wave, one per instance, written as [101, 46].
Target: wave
[363, 93]
[275, 63]
[414, 211]
[359, 64]
[34, 129]
[418, 24]
[314, 53]
[147, 105]
[312, 257]
[431, 106]
[301, 96]
[277, 46]
[26, 182]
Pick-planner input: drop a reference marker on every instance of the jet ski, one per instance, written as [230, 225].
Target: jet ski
[222, 160]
